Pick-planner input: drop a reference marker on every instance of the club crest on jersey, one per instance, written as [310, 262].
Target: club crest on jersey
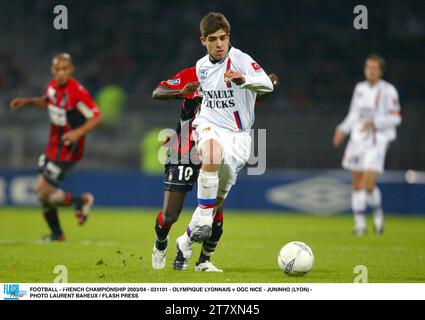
[173, 82]
[204, 74]
[256, 66]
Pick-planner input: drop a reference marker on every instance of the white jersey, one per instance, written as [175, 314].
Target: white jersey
[379, 103]
[225, 104]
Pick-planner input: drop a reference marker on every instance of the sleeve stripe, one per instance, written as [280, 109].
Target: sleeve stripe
[85, 110]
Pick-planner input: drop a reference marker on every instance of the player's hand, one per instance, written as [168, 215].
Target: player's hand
[17, 103]
[190, 88]
[71, 137]
[234, 76]
[338, 138]
[367, 125]
[274, 78]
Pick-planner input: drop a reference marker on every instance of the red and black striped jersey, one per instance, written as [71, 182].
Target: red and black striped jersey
[69, 107]
[188, 109]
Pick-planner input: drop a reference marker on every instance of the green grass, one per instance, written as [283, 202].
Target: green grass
[122, 240]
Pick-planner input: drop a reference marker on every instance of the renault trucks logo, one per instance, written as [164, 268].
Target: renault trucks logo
[12, 292]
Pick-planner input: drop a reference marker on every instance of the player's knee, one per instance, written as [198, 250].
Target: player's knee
[370, 188]
[211, 155]
[41, 195]
[210, 167]
[357, 187]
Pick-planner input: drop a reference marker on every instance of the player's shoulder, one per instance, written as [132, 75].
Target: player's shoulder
[237, 54]
[387, 86]
[188, 72]
[361, 85]
[51, 84]
[202, 61]
[76, 86]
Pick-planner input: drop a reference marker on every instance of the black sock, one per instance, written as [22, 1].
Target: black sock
[161, 242]
[209, 245]
[75, 200]
[52, 219]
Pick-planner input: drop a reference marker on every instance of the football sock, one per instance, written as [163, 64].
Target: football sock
[66, 199]
[209, 245]
[161, 229]
[75, 200]
[207, 192]
[374, 201]
[51, 215]
[358, 205]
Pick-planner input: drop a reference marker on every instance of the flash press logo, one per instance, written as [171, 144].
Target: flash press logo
[12, 292]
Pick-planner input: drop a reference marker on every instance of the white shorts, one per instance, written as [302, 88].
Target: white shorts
[364, 157]
[236, 147]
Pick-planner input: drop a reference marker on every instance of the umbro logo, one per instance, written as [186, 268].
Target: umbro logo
[290, 266]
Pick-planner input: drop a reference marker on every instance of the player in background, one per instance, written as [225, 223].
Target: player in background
[371, 122]
[230, 81]
[180, 177]
[73, 114]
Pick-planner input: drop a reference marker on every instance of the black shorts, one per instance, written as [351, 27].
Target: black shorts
[53, 171]
[180, 177]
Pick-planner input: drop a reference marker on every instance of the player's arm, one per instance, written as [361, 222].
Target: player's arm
[275, 80]
[392, 116]
[76, 134]
[17, 103]
[344, 128]
[88, 108]
[251, 76]
[163, 92]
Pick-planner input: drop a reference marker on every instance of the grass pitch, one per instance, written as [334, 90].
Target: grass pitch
[115, 246]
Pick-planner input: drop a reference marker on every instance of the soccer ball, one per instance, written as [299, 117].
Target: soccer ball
[295, 258]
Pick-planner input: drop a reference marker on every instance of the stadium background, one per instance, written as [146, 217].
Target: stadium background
[122, 49]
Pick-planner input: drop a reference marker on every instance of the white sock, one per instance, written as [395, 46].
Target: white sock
[374, 200]
[207, 192]
[358, 205]
[194, 221]
[186, 245]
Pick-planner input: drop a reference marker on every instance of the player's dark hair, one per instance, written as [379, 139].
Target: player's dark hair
[377, 58]
[213, 22]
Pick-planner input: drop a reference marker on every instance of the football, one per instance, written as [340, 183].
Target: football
[295, 258]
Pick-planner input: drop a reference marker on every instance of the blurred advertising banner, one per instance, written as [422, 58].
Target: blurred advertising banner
[324, 192]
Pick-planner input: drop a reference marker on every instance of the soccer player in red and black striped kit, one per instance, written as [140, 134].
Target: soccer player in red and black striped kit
[181, 169]
[73, 113]
[180, 175]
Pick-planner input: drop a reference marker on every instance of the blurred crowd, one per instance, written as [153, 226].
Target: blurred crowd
[311, 45]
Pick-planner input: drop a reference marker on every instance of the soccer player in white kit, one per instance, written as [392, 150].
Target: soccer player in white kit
[371, 122]
[229, 83]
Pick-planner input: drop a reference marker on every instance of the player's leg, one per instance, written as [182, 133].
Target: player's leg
[358, 203]
[209, 245]
[202, 219]
[238, 150]
[54, 173]
[82, 203]
[199, 229]
[172, 207]
[374, 200]
[42, 190]
[354, 162]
